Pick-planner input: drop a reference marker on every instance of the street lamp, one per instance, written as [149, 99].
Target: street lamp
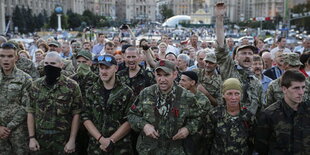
[59, 11]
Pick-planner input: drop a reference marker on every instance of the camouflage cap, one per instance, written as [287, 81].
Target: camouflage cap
[15, 44]
[84, 53]
[54, 42]
[291, 59]
[210, 56]
[166, 65]
[247, 46]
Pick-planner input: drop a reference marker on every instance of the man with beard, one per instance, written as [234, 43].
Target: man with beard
[240, 69]
[257, 69]
[14, 96]
[135, 76]
[283, 127]
[106, 107]
[164, 114]
[54, 110]
[274, 91]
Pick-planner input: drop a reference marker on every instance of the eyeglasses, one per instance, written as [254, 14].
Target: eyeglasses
[106, 58]
[8, 46]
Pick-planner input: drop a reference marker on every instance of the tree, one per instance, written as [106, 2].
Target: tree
[53, 21]
[166, 12]
[74, 19]
[18, 19]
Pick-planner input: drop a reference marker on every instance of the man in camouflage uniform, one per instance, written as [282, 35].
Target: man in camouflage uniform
[67, 67]
[135, 76]
[14, 96]
[85, 78]
[26, 65]
[228, 126]
[164, 114]
[209, 80]
[240, 69]
[53, 113]
[195, 144]
[274, 91]
[107, 105]
[283, 127]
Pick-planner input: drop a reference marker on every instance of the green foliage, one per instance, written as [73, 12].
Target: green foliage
[166, 12]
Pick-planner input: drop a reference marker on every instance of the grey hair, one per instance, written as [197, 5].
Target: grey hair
[184, 57]
[201, 51]
[54, 55]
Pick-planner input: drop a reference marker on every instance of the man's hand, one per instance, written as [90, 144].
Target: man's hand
[182, 134]
[4, 132]
[149, 131]
[70, 146]
[220, 10]
[34, 145]
[104, 143]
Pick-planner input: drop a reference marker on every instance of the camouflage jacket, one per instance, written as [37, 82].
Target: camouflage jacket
[252, 87]
[204, 106]
[227, 134]
[183, 112]
[211, 84]
[67, 70]
[141, 80]
[54, 106]
[107, 113]
[274, 92]
[14, 97]
[85, 81]
[282, 131]
[28, 67]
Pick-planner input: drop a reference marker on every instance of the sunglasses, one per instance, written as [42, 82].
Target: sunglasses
[8, 46]
[104, 58]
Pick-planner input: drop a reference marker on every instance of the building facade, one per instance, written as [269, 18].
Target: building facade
[140, 10]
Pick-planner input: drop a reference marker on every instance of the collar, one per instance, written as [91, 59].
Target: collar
[288, 111]
[248, 72]
[157, 91]
[11, 76]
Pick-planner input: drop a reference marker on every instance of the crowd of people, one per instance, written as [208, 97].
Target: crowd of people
[116, 97]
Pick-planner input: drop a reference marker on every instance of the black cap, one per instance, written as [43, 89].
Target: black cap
[107, 60]
[191, 74]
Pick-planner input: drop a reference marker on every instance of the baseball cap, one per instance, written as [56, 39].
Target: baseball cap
[166, 65]
[54, 42]
[247, 46]
[107, 60]
[210, 56]
[84, 53]
[291, 59]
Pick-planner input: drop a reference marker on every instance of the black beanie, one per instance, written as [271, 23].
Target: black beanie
[191, 74]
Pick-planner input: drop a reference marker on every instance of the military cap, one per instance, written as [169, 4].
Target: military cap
[291, 59]
[231, 84]
[166, 65]
[84, 53]
[246, 46]
[107, 60]
[210, 56]
[54, 42]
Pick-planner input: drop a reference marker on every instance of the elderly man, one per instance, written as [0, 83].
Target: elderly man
[54, 110]
[164, 114]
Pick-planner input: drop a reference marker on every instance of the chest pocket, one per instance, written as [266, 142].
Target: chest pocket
[63, 105]
[14, 91]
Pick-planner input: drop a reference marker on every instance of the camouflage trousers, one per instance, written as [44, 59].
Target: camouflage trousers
[51, 144]
[16, 143]
[122, 147]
